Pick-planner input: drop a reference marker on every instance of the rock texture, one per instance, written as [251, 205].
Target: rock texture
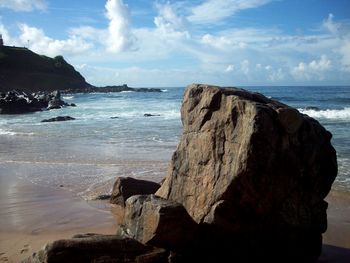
[124, 187]
[253, 169]
[97, 248]
[18, 101]
[158, 222]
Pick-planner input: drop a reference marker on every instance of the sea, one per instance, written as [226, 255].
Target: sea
[111, 137]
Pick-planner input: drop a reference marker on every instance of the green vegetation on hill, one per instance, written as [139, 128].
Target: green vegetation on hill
[23, 69]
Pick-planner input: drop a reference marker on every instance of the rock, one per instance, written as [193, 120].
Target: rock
[150, 115]
[103, 197]
[59, 118]
[158, 222]
[17, 102]
[253, 172]
[97, 248]
[124, 187]
[312, 108]
[55, 101]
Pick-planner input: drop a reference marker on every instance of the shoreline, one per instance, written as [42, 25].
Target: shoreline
[41, 215]
[32, 215]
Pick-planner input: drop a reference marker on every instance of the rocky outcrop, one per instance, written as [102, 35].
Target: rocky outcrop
[158, 222]
[124, 187]
[59, 118]
[246, 183]
[97, 248]
[253, 171]
[17, 101]
[107, 89]
[20, 68]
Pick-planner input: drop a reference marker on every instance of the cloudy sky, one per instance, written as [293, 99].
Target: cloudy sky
[174, 43]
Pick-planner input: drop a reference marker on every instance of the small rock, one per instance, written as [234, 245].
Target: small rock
[150, 115]
[59, 118]
[124, 187]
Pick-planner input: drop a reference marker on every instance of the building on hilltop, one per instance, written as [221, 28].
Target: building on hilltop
[1, 40]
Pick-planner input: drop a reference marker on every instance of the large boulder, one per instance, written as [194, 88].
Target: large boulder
[124, 187]
[253, 171]
[158, 222]
[98, 248]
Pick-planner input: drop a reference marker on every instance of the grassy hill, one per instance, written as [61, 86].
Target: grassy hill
[23, 69]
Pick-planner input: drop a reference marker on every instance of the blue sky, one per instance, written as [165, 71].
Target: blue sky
[175, 43]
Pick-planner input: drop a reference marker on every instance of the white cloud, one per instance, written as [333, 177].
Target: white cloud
[313, 70]
[276, 75]
[167, 13]
[89, 33]
[330, 25]
[245, 66]
[23, 5]
[6, 36]
[230, 68]
[222, 42]
[37, 41]
[170, 26]
[120, 37]
[212, 11]
[344, 50]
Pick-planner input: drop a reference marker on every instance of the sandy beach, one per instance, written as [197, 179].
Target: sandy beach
[33, 215]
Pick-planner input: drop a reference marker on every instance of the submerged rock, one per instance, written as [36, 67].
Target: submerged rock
[59, 118]
[150, 115]
[254, 171]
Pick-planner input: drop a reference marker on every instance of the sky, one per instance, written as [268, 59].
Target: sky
[160, 43]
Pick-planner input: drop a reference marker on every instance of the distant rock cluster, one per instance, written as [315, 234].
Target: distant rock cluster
[17, 101]
[107, 89]
[246, 183]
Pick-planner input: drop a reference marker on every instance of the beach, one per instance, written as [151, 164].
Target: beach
[32, 216]
[50, 173]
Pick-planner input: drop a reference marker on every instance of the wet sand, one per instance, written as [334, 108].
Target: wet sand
[33, 215]
[336, 240]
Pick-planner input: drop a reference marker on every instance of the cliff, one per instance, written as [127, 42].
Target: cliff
[23, 69]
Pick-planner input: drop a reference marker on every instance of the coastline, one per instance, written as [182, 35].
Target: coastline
[27, 225]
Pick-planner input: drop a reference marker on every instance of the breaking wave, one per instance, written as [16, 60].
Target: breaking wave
[343, 114]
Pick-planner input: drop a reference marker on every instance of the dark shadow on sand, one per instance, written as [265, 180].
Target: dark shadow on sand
[333, 254]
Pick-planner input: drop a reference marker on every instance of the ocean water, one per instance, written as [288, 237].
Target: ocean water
[111, 136]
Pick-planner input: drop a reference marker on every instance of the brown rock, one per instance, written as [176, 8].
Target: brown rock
[252, 168]
[97, 248]
[158, 222]
[124, 187]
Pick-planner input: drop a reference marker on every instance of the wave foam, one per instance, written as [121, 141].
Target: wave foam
[343, 114]
[6, 132]
[68, 97]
